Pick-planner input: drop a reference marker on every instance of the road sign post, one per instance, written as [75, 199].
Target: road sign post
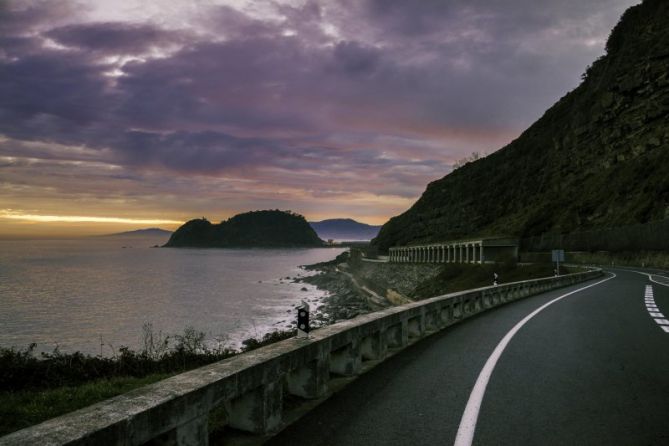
[557, 256]
[303, 320]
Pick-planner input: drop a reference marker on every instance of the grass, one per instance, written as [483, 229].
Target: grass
[23, 408]
[36, 388]
[458, 277]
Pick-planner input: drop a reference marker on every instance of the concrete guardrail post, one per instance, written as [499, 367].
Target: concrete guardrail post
[347, 360]
[259, 410]
[374, 346]
[310, 381]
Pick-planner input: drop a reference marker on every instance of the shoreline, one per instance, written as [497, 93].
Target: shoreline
[344, 299]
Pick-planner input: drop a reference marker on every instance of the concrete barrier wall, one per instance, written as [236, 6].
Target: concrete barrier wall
[250, 387]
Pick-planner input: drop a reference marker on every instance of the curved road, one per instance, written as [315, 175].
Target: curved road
[590, 369]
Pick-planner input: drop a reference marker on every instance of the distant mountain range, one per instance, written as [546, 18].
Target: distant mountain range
[344, 229]
[148, 232]
[336, 229]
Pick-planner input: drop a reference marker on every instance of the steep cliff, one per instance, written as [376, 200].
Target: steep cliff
[598, 158]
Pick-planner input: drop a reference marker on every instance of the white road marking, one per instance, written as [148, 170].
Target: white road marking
[467, 427]
[650, 277]
[651, 306]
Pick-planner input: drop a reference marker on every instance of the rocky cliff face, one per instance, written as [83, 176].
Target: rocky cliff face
[597, 158]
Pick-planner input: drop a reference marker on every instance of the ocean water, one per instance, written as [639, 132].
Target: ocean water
[94, 295]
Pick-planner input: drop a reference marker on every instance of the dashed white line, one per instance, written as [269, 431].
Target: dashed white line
[467, 427]
[653, 311]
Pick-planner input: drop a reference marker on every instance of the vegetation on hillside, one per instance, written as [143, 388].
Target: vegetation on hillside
[34, 388]
[597, 158]
[455, 277]
[272, 228]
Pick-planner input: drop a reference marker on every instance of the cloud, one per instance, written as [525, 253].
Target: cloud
[114, 38]
[318, 100]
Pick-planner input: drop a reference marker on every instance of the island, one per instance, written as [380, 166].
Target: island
[262, 229]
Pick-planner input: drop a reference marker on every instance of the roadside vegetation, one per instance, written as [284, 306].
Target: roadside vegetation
[458, 277]
[36, 387]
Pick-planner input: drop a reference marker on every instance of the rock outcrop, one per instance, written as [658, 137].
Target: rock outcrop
[270, 229]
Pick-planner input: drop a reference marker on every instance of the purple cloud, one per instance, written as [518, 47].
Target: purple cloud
[331, 98]
[114, 38]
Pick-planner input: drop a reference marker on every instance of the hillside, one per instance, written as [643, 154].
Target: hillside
[344, 229]
[251, 229]
[598, 158]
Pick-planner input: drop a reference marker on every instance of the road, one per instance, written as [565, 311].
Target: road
[591, 368]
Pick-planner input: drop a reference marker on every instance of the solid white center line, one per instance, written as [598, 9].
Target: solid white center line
[467, 427]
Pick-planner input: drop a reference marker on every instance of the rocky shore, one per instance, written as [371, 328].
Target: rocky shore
[356, 287]
[344, 299]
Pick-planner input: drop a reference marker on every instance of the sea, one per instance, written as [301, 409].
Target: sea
[97, 294]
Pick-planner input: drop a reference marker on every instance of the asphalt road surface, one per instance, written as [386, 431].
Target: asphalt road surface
[592, 368]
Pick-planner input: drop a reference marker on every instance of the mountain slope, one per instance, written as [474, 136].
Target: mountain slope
[598, 158]
[344, 229]
[251, 229]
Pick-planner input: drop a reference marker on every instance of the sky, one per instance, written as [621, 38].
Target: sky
[125, 114]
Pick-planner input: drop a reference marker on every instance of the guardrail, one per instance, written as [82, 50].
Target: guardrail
[250, 387]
